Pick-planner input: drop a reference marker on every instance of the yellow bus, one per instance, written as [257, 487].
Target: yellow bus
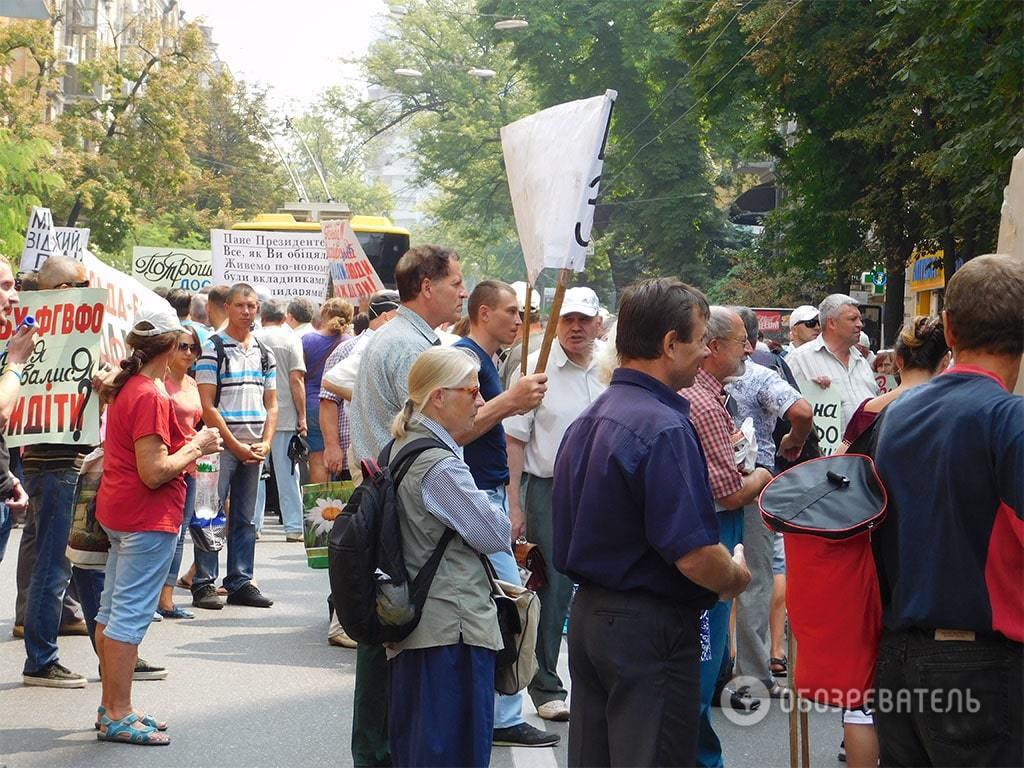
[383, 242]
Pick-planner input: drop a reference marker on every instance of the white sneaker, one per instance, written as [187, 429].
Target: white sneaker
[556, 710]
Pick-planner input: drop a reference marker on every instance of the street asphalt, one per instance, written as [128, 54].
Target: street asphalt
[261, 687]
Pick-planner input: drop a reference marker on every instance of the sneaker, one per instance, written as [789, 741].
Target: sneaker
[523, 735]
[74, 628]
[841, 757]
[251, 596]
[342, 640]
[146, 671]
[206, 597]
[556, 710]
[54, 676]
[294, 537]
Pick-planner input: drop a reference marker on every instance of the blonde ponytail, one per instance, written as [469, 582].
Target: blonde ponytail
[401, 420]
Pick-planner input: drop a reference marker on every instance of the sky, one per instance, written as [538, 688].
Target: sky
[294, 47]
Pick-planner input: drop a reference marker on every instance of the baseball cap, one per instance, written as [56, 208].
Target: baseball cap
[160, 316]
[520, 288]
[582, 300]
[383, 301]
[802, 314]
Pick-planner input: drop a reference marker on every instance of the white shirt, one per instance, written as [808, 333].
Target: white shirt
[570, 390]
[344, 373]
[303, 328]
[855, 383]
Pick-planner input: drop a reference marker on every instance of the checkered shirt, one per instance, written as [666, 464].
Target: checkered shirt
[714, 428]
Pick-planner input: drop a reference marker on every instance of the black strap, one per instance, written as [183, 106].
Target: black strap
[222, 362]
[813, 494]
[403, 460]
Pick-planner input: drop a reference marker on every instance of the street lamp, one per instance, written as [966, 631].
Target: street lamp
[511, 24]
[481, 73]
[408, 72]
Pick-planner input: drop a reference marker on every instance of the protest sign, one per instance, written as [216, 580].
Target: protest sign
[40, 240]
[73, 241]
[352, 274]
[828, 414]
[169, 268]
[553, 160]
[124, 297]
[56, 403]
[886, 382]
[285, 263]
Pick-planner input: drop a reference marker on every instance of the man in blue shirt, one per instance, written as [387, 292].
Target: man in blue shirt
[951, 456]
[635, 526]
[493, 323]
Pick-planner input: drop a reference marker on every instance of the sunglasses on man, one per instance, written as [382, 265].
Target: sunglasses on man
[809, 323]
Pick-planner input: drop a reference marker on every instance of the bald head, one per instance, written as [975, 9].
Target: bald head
[61, 270]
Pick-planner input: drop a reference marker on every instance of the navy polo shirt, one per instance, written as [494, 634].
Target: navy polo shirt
[486, 456]
[951, 456]
[631, 492]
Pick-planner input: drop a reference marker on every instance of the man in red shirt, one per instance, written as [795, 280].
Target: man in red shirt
[729, 347]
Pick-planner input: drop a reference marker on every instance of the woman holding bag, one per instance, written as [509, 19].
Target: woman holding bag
[139, 504]
[442, 675]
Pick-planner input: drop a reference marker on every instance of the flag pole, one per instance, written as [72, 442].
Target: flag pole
[549, 331]
[526, 326]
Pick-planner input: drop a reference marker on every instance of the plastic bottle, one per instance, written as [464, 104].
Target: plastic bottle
[207, 480]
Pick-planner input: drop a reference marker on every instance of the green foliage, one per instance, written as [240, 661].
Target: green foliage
[25, 180]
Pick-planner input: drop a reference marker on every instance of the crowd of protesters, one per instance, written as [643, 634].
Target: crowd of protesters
[619, 461]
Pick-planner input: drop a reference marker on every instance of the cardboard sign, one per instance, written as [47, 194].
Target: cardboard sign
[56, 403]
[124, 297]
[553, 160]
[828, 414]
[43, 240]
[352, 274]
[288, 264]
[169, 268]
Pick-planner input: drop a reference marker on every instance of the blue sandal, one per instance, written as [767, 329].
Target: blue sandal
[122, 731]
[146, 720]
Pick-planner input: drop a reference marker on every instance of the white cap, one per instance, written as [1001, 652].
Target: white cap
[864, 340]
[160, 316]
[802, 314]
[520, 288]
[582, 300]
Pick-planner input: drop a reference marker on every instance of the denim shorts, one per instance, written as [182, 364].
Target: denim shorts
[136, 569]
[314, 437]
[778, 555]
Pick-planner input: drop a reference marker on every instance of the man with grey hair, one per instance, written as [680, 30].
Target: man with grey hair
[300, 315]
[833, 360]
[764, 396]
[286, 347]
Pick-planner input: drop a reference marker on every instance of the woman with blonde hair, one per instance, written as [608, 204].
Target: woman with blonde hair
[139, 503]
[442, 675]
[335, 324]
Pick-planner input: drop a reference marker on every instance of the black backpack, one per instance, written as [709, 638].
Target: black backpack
[223, 363]
[374, 598]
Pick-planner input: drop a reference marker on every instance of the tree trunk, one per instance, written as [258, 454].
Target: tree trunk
[895, 293]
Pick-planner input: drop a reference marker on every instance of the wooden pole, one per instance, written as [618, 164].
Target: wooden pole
[526, 326]
[549, 331]
[794, 722]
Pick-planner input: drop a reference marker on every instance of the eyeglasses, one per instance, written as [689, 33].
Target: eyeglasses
[741, 340]
[184, 346]
[809, 323]
[471, 391]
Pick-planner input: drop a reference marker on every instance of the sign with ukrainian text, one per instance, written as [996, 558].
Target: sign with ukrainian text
[828, 414]
[169, 268]
[352, 274]
[56, 403]
[288, 264]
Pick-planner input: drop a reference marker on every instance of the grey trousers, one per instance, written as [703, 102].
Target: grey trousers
[754, 605]
[71, 611]
[554, 598]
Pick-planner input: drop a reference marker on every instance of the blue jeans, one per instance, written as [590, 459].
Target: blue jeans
[89, 585]
[52, 496]
[190, 508]
[6, 523]
[136, 568]
[508, 710]
[287, 476]
[239, 482]
[709, 748]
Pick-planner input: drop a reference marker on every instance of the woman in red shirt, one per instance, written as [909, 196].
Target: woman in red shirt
[184, 394]
[139, 504]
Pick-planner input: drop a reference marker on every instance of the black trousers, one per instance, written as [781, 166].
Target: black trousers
[634, 660]
[948, 702]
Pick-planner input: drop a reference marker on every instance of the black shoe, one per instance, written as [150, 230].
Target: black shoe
[206, 597]
[250, 596]
[523, 735]
[146, 671]
[54, 676]
[741, 700]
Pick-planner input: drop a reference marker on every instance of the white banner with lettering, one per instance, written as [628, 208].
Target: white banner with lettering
[169, 268]
[828, 414]
[285, 263]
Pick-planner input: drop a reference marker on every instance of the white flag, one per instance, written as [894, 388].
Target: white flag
[553, 160]
[1011, 223]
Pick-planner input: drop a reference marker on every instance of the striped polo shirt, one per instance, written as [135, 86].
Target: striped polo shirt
[243, 384]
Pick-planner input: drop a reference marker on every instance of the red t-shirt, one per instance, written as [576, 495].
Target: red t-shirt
[124, 503]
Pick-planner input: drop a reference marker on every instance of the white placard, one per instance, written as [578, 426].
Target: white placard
[182, 268]
[288, 264]
[828, 414]
[553, 160]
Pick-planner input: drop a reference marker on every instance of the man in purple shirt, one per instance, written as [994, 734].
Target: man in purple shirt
[635, 527]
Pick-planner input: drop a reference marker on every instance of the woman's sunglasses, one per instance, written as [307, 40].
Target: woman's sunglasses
[184, 346]
[471, 391]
